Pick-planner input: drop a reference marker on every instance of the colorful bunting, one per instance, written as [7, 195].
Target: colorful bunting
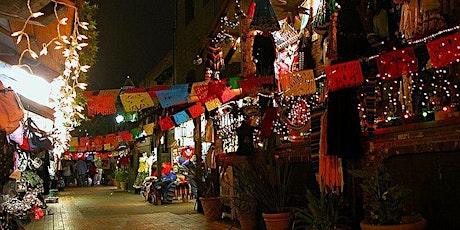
[166, 123]
[397, 63]
[250, 84]
[298, 83]
[152, 90]
[344, 75]
[201, 90]
[444, 51]
[200, 83]
[233, 82]
[110, 92]
[227, 94]
[136, 132]
[196, 110]
[83, 141]
[134, 90]
[181, 117]
[133, 102]
[88, 93]
[148, 128]
[101, 104]
[213, 104]
[126, 136]
[173, 97]
[73, 142]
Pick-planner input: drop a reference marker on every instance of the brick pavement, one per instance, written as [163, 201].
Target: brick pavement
[104, 207]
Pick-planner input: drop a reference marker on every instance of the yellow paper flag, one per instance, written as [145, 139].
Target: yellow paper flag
[133, 102]
[148, 128]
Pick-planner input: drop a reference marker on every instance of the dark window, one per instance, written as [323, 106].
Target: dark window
[189, 11]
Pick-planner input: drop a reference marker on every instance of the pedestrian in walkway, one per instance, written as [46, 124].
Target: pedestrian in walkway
[92, 171]
[67, 173]
[82, 168]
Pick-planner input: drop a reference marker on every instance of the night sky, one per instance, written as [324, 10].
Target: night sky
[134, 35]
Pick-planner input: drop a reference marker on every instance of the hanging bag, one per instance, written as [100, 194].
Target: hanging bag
[11, 112]
[38, 140]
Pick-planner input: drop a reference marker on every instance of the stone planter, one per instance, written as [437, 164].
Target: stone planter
[409, 223]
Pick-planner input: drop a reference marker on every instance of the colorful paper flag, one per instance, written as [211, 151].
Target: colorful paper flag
[181, 117]
[344, 75]
[133, 102]
[233, 82]
[101, 104]
[166, 123]
[152, 90]
[135, 90]
[73, 142]
[250, 84]
[172, 97]
[126, 136]
[196, 110]
[298, 83]
[110, 92]
[444, 51]
[395, 64]
[148, 128]
[213, 104]
[227, 94]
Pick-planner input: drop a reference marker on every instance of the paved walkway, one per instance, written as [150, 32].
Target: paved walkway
[105, 207]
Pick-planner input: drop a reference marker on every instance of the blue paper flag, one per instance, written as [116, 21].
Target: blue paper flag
[180, 117]
[172, 97]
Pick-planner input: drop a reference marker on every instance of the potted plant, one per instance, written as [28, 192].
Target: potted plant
[265, 179]
[122, 177]
[323, 212]
[208, 190]
[384, 207]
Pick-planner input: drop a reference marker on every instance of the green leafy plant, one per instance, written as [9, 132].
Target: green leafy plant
[265, 179]
[383, 201]
[322, 212]
[121, 175]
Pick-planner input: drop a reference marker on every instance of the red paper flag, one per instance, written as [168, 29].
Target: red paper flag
[152, 90]
[135, 90]
[227, 95]
[201, 92]
[101, 104]
[249, 84]
[397, 63]
[126, 135]
[344, 75]
[166, 123]
[196, 110]
[83, 141]
[444, 51]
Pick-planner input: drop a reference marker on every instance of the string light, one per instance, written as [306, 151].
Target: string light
[64, 88]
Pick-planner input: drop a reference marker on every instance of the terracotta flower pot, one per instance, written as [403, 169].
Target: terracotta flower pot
[409, 223]
[248, 221]
[277, 221]
[124, 186]
[212, 207]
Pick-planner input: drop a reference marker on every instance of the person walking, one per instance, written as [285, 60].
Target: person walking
[67, 173]
[82, 168]
[92, 171]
